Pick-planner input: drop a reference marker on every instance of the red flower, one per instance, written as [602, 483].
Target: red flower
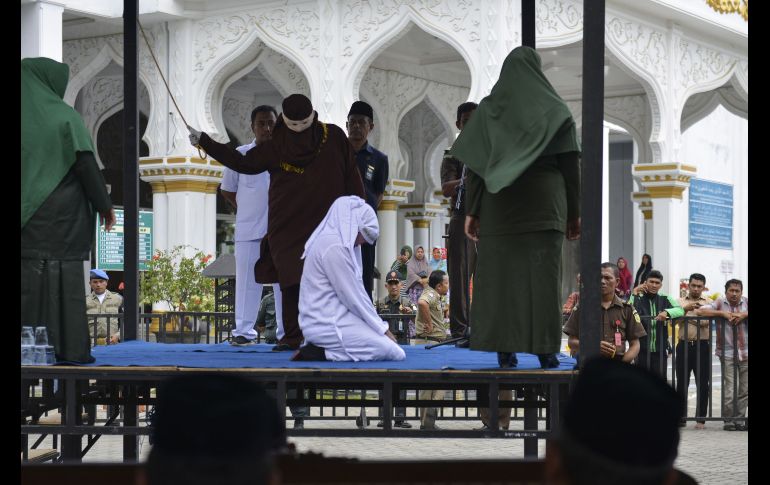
[156, 257]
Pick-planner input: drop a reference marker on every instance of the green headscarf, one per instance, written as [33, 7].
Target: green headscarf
[522, 119]
[52, 132]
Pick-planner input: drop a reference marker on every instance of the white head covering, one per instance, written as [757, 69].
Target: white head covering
[347, 217]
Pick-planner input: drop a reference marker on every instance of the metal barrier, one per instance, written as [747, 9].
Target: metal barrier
[167, 327]
[696, 355]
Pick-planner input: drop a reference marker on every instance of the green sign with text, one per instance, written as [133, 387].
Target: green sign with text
[109, 245]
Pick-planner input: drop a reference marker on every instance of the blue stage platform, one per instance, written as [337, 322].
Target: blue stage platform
[226, 356]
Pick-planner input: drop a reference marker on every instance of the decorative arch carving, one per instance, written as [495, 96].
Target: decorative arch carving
[558, 22]
[701, 105]
[642, 52]
[702, 68]
[380, 30]
[88, 57]
[227, 45]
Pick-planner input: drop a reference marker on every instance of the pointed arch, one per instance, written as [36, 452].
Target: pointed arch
[229, 68]
[387, 37]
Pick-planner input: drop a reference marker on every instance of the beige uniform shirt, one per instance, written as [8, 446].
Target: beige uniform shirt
[111, 304]
[433, 299]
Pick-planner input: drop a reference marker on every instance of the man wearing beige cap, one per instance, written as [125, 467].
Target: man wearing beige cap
[311, 164]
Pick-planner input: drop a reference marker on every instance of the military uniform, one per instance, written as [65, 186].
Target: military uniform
[398, 326]
[111, 304]
[619, 317]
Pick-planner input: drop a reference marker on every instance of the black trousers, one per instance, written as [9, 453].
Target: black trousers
[367, 260]
[684, 366]
[292, 334]
[461, 265]
[655, 366]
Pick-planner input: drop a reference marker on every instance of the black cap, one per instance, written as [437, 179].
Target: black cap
[361, 108]
[392, 276]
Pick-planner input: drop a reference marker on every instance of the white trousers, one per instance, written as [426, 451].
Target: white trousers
[248, 293]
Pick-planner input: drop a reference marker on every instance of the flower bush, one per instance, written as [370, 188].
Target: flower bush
[178, 280]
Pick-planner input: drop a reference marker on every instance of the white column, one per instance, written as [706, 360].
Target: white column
[159, 217]
[421, 234]
[407, 231]
[667, 226]
[665, 184]
[396, 191]
[606, 194]
[387, 244]
[210, 230]
[184, 190]
[41, 30]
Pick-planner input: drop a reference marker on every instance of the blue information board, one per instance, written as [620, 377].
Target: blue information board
[711, 214]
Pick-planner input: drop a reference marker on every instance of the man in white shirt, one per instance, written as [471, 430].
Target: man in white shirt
[336, 315]
[248, 194]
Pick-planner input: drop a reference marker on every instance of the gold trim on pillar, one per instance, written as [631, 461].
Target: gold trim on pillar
[666, 192]
[186, 186]
[158, 187]
[420, 223]
[388, 205]
[647, 214]
[211, 187]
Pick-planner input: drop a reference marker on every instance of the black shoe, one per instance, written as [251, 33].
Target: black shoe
[380, 424]
[730, 427]
[548, 361]
[429, 428]
[241, 341]
[741, 427]
[299, 423]
[402, 424]
[283, 348]
[309, 352]
[360, 422]
[507, 360]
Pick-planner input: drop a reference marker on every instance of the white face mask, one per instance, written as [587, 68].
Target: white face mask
[298, 126]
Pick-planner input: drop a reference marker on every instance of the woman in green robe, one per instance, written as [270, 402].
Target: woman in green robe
[523, 195]
[60, 183]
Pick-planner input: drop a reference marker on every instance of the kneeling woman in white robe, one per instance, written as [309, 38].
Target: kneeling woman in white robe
[336, 315]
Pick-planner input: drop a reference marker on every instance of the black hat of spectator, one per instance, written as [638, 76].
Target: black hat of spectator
[361, 108]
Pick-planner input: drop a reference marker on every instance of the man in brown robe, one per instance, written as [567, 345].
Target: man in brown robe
[311, 164]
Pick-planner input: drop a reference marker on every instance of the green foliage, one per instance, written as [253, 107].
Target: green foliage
[178, 280]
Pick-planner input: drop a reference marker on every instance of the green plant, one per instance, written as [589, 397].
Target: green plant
[178, 280]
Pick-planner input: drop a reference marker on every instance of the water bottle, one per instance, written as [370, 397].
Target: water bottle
[27, 346]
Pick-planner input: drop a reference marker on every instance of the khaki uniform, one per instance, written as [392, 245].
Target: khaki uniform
[692, 325]
[111, 304]
[620, 315]
[399, 326]
[440, 328]
[429, 295]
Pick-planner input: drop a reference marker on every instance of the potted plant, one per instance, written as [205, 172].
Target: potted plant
[177, 280]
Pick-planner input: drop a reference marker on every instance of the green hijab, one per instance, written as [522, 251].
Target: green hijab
[522, 119]
[52, 132]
